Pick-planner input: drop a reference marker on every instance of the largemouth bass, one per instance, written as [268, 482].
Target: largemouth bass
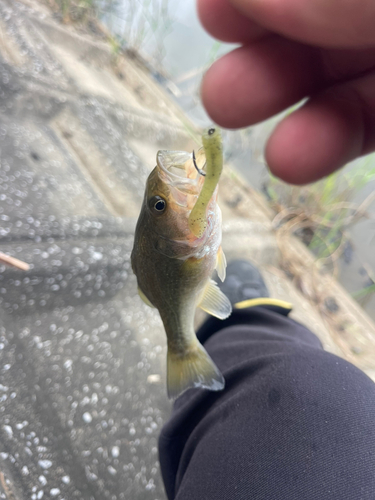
[177, 247]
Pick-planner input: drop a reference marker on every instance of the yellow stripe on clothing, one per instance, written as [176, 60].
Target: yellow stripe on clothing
[263, 301]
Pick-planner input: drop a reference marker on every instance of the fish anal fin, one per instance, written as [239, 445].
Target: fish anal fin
[193, 369]
[214, 302]
[144, 298]
[221, 264]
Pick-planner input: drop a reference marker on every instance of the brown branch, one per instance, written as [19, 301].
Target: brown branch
[12, 261]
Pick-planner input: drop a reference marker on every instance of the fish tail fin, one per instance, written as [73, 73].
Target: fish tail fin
[193, 369]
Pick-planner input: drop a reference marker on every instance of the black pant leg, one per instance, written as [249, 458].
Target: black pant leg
[293, 423]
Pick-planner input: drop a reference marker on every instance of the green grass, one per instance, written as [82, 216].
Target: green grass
[323, 212]
[364, 292]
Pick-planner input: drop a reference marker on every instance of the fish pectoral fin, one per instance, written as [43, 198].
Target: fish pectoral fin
[221, 264]
[144, 298]
[214, 302]
[193, 369]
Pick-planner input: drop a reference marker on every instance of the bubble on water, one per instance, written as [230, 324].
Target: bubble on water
[90, 475]
[150, 485]
[21, 425]
[97, 255]
[45, 464]
[86, 417]
[68, 364]
[115, 451]
[8, 430]
[111, 470]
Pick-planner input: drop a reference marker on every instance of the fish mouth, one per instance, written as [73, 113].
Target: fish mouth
[177, 170]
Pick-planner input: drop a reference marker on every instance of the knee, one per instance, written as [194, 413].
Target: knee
[308, 386]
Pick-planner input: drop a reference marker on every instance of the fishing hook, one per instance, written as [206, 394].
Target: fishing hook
[199, 170]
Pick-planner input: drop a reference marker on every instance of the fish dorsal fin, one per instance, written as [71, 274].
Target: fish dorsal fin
[221, 264]
[144, 298]
[214, 302]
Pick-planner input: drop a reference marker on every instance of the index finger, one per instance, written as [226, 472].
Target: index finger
[324, 23]
[226, 23]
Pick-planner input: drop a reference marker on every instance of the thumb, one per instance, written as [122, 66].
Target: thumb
[325, 23]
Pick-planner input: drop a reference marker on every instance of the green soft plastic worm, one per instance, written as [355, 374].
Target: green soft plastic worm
[213, 148]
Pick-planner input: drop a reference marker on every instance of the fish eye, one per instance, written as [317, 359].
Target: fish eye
[158, 204]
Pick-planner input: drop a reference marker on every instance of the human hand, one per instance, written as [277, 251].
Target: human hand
[291, 49]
